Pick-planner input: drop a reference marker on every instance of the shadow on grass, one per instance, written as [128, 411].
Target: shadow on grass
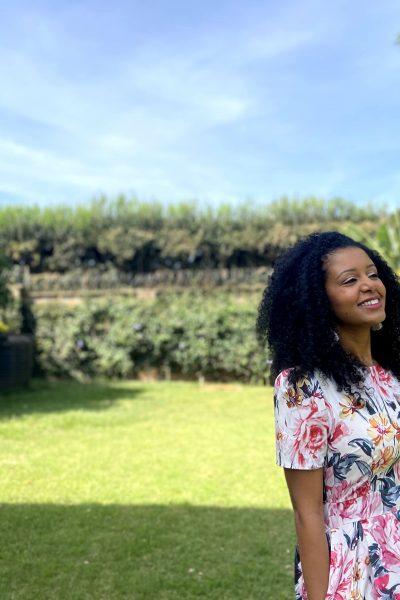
[156, 552]
[56, 396]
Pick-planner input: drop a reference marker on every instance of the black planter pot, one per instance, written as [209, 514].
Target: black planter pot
[16, 361]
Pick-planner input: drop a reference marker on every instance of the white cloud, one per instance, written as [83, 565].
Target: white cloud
[274, 44]
[220, 111]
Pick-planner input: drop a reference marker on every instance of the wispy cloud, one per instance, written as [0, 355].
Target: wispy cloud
[175, 104]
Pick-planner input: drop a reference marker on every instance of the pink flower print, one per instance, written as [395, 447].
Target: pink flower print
[360, 507]
[310, 435]
[282, 375]
[381, 380]
[386, 532]
[340, 573]
[364, 489]
[356, 507]
[341, 429]
[304, 594]
[339, 492]
[381, 582]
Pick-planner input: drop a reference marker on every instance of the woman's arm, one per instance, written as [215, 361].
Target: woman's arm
[305, 489]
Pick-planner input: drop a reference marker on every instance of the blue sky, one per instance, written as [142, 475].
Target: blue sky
[214, 101]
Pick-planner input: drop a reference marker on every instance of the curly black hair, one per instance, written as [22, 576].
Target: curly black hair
[296, 320]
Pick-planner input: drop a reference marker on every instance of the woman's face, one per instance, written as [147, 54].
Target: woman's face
[351, 279]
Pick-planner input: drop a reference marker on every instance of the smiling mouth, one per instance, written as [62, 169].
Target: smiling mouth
[370, 304]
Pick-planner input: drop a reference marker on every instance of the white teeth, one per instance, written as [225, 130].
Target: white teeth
[371, 302]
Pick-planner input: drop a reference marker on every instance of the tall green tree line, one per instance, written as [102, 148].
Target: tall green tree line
[135, 236]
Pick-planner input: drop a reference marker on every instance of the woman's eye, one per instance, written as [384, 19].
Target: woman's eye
[353, 278]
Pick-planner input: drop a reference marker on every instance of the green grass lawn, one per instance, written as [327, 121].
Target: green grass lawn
[164, 490]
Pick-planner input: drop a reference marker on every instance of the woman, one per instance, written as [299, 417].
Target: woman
[331, 316]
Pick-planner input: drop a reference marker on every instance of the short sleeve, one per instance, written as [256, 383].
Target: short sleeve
[301, 423]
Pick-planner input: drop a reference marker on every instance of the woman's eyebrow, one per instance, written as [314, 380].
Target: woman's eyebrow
[354, 269]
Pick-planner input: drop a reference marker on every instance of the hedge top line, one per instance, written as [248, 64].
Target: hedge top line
[103, 211]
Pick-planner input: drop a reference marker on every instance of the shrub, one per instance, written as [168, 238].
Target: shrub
[5, 296]
[189, 335]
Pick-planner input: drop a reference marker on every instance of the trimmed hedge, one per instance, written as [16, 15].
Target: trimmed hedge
[141, 237]
[190, 335]
[97, 280]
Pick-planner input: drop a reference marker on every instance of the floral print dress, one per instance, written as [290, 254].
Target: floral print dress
[355, 437]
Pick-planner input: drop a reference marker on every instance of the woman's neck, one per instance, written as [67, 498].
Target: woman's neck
[357, 341]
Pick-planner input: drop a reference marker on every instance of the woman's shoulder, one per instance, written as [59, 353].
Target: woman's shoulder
[302, 378]
[302, 388]
[302, 398]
